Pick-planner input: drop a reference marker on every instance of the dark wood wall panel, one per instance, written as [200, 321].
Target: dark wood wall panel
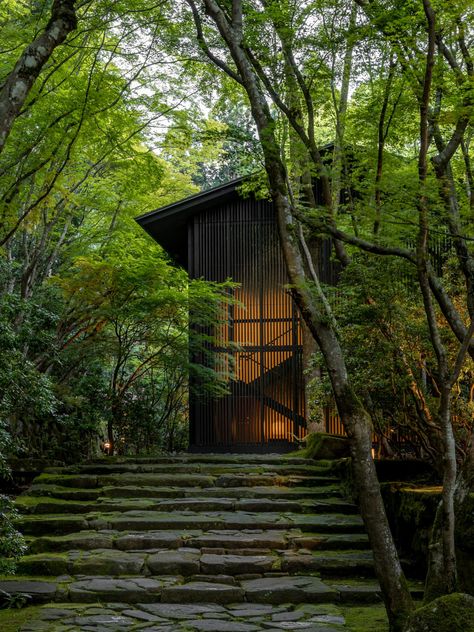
[265, 405]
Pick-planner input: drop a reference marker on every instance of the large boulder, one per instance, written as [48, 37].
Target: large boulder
[451, 613]
[320, 445]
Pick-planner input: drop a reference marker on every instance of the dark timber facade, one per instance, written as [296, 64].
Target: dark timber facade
[217, 235]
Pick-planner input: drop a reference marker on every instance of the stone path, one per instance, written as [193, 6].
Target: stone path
[193, 542]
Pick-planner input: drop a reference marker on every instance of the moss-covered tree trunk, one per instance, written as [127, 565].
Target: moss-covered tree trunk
[389, 573]
[30, 63]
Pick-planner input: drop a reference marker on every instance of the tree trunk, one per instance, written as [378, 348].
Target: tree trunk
[387, 566]
[28, 67]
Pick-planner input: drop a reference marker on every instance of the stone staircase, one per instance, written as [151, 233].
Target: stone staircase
[192, 542]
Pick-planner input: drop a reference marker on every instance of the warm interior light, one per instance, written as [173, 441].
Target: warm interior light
[107, 445]
[373, 453]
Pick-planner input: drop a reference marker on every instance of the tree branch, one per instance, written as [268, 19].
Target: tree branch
[27, 69]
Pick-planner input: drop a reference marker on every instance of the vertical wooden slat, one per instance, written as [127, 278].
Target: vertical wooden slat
[240, 240]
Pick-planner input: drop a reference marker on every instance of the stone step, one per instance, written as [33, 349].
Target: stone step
[185, 457]
[188, 562]
[329, 563]
[146, 590]
[90, 481]
[216, 540]
[215, 469]
[248, 617]
[131, 491]
[56, 524]
[324, 541]
[28, 504]
[193, 532]
[133, 590]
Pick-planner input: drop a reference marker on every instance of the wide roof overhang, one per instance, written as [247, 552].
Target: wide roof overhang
[168, 225]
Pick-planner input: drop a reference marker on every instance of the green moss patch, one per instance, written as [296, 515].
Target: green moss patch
[324, 447]
[366, 618]
[12, 620]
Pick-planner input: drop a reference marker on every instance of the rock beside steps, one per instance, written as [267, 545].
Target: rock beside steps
[192, 542]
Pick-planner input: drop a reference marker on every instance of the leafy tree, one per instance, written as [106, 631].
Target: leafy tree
[270, 51]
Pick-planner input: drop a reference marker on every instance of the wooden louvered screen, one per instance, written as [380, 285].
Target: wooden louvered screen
[265, 407]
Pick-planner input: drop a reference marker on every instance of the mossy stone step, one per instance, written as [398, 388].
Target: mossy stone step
[329, 564]
[51, 524]
[39, 590]
[305, 493]
[203, 592]
[271, 459]
[63, 493]
[229, 540]
[81, 541]
[223, 540]
[44, 505]
[229, 564]
[43, 524]
[140, 540]
[192, 529]
[132, 491]
[89, 481]
[186, 562]
[281, 469]
[325, 541]
[144, 520]
[276, 590]
[142, 590]
[27, 504]
[125, 590]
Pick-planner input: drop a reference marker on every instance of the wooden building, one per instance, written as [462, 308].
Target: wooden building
[217, 235]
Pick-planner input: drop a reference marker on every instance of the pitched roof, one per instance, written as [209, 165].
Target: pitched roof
[168, 224]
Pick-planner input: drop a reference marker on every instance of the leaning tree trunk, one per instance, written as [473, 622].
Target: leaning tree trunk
[30, 63]
[387, 566]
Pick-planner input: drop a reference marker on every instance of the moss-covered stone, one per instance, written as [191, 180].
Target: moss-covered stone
[44, 564]
[451, 613]
[320, 445]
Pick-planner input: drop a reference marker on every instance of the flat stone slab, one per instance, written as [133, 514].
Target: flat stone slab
[165, 480]
[331, 541]
[207, 625]
[28, 504]
[84, 541]
[358, 593]
[227, 539]
[108, 562]
[195, 504]
[64, 493]
[183, 611]
[237, 564]
[277, 590]
[40, 591]
[44, 564]
[79, 481]
[129, 590]
[145, 491]
[202, 592]
[329, 563]
[174, 563]
[155, 520]
[149, 540]
[51, 525]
